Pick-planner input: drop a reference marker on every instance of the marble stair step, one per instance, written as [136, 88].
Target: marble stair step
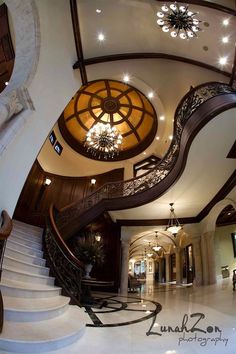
[28, 243]
[15, 274]
[24, 266]
[14, 288]
[26, 227]
[21, 256]
[23, 248]
[24, 309]
[26, 337]
[26, 236]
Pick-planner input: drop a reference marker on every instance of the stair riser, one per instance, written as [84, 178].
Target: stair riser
[25, 258]
[29, 316]
[40, 347]
[8, 274]
[28, 243]
[37, 239]
[25, 267]
[10, 291]
[21, 248]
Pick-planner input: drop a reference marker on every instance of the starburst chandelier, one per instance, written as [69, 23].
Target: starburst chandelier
[178, 20]
[103, 141]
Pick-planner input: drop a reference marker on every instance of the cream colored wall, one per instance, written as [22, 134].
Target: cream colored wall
[224, 248]
[52, 87]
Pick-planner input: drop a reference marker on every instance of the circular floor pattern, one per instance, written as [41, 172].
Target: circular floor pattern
[108, 308]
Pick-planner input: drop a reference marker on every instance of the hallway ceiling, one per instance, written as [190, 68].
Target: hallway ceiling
[166, 67]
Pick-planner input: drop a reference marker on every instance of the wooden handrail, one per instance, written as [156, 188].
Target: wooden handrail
[60, 240]
[5, 231]
[6, 227]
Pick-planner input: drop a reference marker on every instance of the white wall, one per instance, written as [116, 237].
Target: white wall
[224, 249]
[52, 87]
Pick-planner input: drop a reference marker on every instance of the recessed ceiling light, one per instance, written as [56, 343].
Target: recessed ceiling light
[223, 61]
[225, 22]
[126, 78]
[144, 153]
[162, 118]
[225, 39]
[150, 94]
[98, 11]
[6, 83]
[157, 138]
[101, 37]
[170, 137]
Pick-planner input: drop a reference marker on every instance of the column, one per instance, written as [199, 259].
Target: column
[209, 236]
[197, 261]
[167, 257]
[179, 267]
[124, 267]
[160, 270]
[204, 260]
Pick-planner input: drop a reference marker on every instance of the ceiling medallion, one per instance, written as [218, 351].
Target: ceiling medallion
[178, 20]
[103, 141]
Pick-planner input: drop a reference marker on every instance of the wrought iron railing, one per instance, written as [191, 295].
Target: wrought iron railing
[188, 105]
[66, 268]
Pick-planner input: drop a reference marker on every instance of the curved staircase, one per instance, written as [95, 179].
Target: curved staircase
[36, 317]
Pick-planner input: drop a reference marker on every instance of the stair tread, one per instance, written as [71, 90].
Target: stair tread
[27, 286]
[23, 262]
[25, 273]
[27, 226]
[34, 305]
[28, 239]
[25, 254]
[31, 244]
[63, 326]
[27, 247]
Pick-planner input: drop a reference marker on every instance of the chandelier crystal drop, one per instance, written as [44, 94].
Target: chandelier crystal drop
[173, 224]
[178, 20]
[103, 141]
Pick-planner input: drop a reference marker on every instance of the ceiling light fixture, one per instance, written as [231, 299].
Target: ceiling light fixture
[149, 252]
[225, 22]
[101, 37]
[126, 78]
[150, 94]
[225, 39]
[173, 224]
[162, 118]
[178, 20]
[223, 61]
[98, 11]
[103, 140]
[156, 248]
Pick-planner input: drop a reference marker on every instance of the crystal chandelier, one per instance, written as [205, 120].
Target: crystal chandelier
[102, 140]
[178, 20]
[173, 224]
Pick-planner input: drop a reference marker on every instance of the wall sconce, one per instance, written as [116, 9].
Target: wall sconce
[93, 181]
[47, 182]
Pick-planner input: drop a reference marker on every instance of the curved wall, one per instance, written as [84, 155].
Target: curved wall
[52, 87]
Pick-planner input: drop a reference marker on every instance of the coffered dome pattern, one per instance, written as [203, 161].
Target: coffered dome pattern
[114, 102]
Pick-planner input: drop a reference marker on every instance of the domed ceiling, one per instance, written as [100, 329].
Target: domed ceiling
[117, 103]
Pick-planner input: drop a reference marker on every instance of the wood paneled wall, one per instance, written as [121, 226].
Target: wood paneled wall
[36, 198]
[6, 49]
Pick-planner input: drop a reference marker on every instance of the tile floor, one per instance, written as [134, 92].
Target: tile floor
[210, 311]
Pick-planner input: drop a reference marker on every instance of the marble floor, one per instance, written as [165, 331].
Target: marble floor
[161, 319]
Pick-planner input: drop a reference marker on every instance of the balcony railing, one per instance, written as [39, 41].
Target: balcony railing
[104, 197]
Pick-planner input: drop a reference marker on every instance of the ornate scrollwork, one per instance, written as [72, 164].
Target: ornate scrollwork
[192, 100]
[67, 274]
